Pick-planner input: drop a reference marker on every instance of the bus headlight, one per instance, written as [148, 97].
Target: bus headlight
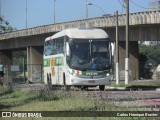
[107, 74]
[74, 74]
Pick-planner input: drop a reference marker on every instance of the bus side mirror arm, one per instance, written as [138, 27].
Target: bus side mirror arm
[68, 52]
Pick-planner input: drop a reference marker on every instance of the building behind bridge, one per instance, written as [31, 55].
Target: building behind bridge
[152, 7]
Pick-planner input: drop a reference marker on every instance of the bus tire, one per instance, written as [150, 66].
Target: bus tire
[49, 81]
[102, 87]
[84, 88]
[47, 78]
[66, 87]
[1, 82]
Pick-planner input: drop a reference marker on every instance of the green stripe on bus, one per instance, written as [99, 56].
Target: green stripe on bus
[46, 62]
[54, 61]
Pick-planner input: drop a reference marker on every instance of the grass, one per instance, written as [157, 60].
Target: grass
[26, 100]
[136, 85]
[132, 85]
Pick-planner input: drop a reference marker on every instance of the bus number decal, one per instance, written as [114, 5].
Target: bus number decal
[92, 73]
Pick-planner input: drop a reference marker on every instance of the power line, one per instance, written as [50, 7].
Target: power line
[122, 6]
[121, 3]
[141, 6]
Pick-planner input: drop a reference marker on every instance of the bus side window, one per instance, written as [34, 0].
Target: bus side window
[53, 47]
[47, 48]
[60, 45]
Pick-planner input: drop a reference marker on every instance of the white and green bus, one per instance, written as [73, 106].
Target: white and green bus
[78, 57]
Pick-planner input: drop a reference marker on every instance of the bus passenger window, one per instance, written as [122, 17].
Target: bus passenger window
[60, 45]
[47, 48]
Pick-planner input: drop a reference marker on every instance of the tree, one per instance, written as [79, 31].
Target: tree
[151, 52]
[149, 57]
[4, 26]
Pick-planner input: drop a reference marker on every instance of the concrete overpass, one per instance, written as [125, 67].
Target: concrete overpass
[144, 26]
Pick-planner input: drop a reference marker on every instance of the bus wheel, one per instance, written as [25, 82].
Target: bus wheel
[66, 87]
[84, 88]
[1, 82]
[49, 81]
[102, 87]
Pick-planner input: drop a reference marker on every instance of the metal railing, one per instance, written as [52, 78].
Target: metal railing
[16, 74]
[147, 17]
[35, 72]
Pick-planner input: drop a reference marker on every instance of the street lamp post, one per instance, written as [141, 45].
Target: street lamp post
[54, 11]
[95, 6]
[86, 9]
[26, 15]
[0, 9]
[117, 44]
[117, 39]
[0, 14]
[117, 50]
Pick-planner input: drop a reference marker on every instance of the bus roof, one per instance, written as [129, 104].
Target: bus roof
[83, 33]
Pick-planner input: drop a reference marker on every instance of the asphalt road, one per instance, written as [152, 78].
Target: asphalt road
[149, 99]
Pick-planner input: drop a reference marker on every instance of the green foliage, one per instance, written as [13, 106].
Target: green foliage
[148, 59]
[152, 53]
[4, 26]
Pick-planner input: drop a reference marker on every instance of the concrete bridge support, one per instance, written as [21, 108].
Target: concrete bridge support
[6, 58]
[34, 63]
[133, 55]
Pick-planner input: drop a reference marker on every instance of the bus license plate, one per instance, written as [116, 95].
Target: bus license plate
[91, 81]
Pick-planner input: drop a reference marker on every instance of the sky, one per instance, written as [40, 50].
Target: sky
[41, 12]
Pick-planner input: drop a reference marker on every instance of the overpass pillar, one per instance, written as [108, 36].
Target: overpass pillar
[6, 58]
[34, 63]
[133, 63]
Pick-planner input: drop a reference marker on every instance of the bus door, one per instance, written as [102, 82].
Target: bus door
[59, 70]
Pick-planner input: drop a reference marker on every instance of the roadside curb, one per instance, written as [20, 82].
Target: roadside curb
[118, 88]
[130, 89]
[158, 89]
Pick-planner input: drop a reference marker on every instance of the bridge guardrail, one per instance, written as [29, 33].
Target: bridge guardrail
[147, 17]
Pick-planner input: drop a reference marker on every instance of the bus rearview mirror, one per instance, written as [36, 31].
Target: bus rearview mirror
[67, 49]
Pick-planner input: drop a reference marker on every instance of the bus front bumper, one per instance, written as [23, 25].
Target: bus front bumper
[90, 81]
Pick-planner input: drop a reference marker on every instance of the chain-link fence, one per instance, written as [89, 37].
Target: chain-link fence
[35, 72]
[23, 74]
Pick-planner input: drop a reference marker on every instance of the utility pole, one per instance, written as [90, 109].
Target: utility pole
[0, 9]
[0, 16]
[26, 15]
[86, 9]
[127, 43]
[117, 50]
[54, 11]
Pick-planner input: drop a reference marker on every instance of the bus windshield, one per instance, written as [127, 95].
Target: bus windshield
[90, 54]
